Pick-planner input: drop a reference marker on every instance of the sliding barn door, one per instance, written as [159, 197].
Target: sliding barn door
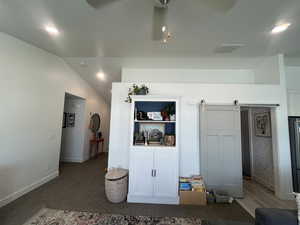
[221, 160]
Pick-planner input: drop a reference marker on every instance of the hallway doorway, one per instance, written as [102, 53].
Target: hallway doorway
[72, 141]
[257, 146]
[258, 138]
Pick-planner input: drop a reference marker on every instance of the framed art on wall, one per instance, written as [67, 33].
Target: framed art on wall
[71, 120]
[262, 124]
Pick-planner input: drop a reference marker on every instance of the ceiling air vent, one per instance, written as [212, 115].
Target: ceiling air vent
[227, 48]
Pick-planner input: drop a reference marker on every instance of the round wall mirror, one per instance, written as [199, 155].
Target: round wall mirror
[95, 122]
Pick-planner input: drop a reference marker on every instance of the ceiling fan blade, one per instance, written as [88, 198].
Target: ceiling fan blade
[98, 3]
[219, 5]
[159, 20]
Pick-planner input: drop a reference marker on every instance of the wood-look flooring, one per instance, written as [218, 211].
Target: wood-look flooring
[257, 196]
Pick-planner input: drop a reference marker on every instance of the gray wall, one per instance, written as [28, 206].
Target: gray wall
[262, 155]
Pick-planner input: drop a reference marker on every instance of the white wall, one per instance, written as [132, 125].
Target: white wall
[293, 89]
[32, 88]
[267, 71]
[72, 139]
[191, 95]
[222, 76]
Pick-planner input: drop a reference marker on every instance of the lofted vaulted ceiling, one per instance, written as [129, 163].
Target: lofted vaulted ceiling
[122, 29]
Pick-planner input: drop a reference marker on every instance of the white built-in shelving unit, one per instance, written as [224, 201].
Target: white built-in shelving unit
[153, 169]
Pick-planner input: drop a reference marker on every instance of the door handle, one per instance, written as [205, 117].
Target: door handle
[153, 173]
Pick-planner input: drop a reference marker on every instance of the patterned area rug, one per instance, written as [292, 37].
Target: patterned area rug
[60, 217]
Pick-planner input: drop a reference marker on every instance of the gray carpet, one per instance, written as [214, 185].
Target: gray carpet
[80, 187]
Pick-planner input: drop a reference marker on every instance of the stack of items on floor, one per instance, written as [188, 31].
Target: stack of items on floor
[192, 190]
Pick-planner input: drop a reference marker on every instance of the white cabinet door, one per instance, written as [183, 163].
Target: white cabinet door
[221, 161]
[140, 177]
[166, 173]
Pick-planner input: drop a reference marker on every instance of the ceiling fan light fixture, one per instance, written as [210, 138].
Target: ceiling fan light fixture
[162, 3]
[280, 28]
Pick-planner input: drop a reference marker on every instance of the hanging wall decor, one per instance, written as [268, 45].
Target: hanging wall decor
[64, 123]
[262, 124]
[71, 120]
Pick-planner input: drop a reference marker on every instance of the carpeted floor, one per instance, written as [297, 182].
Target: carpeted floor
[80, 187]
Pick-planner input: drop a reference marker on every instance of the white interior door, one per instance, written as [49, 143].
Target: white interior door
[141, 166]
[221, 160]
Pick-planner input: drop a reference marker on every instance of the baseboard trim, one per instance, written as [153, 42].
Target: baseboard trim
[153, 200]
[72, 159]
[27, 189]
[263, 183]
[245, 207]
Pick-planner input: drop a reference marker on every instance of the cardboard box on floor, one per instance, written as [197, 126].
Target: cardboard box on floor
[192, 198]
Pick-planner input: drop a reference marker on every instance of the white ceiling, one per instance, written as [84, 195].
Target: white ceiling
[123, 28]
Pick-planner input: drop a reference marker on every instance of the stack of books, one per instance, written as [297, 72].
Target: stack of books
[193, 183]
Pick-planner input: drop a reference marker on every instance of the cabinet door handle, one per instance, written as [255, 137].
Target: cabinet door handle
[154, 173]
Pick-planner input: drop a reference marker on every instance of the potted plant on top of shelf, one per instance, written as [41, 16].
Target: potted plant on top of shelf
[136, 90]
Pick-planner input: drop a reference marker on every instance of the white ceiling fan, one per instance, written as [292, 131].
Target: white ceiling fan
[160, 30]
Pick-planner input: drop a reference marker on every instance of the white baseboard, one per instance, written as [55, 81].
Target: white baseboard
[28, 188]
[153, 200]
[72, 159]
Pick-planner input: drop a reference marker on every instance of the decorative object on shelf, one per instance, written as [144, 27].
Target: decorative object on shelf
[168, 112]
[173, 117]
[155, 116]
[139, 138]
[169, 140]
[71, 120]
[152, 126]
[262, 124]
[165, 116]
[136, 90]
[155, 137]
[142, 115]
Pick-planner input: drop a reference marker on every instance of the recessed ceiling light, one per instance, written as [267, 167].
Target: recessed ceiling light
[280, 28]
[101, 75]
[52, 30]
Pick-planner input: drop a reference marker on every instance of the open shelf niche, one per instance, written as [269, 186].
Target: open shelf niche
[154, 123]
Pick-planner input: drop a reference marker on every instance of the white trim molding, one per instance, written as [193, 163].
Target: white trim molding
[28, 188]
[73, 159]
